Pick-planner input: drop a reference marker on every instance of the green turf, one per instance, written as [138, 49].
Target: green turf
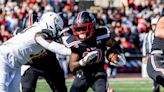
[119, 85]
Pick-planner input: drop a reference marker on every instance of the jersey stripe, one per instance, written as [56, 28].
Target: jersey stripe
[103, 37]
[74, 43]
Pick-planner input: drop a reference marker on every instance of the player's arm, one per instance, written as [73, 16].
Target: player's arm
[45, 40]
[111, 42]
[115, 54]
[75, 62]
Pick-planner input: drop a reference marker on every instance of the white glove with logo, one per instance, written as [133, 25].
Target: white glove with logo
[88, 58]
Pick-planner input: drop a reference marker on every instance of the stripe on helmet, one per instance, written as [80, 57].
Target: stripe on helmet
[79, 17]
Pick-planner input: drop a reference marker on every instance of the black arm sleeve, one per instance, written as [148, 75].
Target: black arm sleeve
[47, 34]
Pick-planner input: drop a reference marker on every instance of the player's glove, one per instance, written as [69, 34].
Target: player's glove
[120, 62]
[88, 58]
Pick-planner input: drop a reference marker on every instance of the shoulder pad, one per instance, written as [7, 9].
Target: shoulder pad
[103, 32]
[72, 42]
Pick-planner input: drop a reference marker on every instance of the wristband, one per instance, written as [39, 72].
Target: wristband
[82, 63]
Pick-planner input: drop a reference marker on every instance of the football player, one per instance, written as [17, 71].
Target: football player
[155, 64]
[88, 45]
[46, 66]
[29, 44]
[147, 46]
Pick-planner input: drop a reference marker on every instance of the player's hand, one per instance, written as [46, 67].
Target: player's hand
[120, 62]
[88, 58]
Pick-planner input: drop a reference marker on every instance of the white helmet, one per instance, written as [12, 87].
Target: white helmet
[53, 22]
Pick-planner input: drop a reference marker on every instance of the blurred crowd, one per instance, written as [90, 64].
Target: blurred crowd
[128, 28]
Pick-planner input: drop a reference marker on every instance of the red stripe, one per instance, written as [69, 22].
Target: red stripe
[79, 17]
[31, 19]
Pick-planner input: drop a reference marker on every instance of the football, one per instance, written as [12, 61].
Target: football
[112, 55]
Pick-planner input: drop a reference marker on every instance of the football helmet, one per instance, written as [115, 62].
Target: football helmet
[83, 25]
[29, 20]
[64, 16]
[53, 22]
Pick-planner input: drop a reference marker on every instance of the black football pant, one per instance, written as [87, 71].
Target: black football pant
[98, 84]
[47, 67]
[155, 68]
[56, 80]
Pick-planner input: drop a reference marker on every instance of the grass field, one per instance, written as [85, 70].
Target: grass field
[119, 85]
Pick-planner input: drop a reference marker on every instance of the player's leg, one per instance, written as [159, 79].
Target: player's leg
[56, 79]
[100, 84]
[79, 84]
[4, 76]
[109, 89]
[156, 87]
[29, 80]
[14, 85]
[53, 73]
[155, 68]
[65, 68]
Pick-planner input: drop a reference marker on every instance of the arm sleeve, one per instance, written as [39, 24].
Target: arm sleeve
[53, 46]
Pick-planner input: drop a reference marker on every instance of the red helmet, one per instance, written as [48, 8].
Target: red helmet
[83, 25]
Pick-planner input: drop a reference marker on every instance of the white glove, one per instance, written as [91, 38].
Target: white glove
[88, 58]
[121, 61]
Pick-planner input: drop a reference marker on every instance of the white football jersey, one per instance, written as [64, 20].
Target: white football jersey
[22, 48]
